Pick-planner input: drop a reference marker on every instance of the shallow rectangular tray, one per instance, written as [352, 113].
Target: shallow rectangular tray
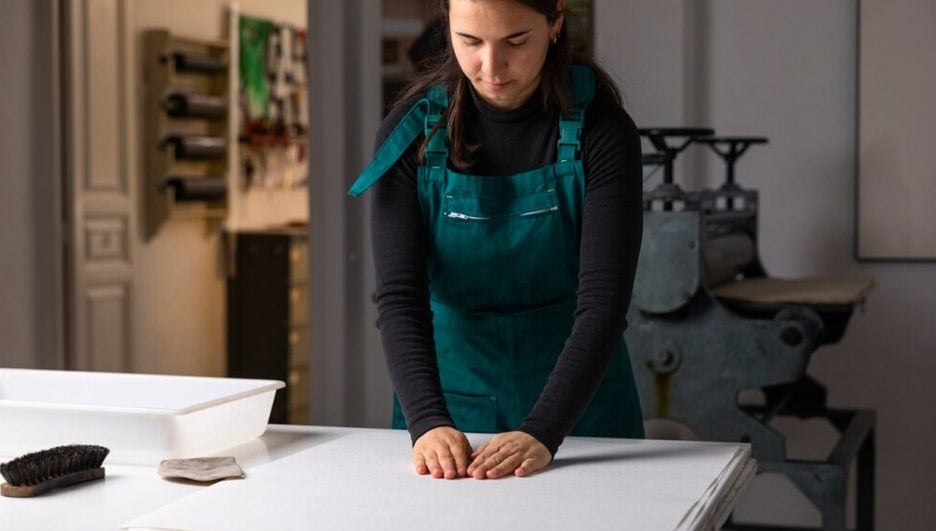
[142, 418]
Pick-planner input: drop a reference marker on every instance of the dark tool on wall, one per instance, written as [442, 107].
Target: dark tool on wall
[39, 472]
[708, 324]
[183, 104]
[186, 61]
[196, 147]
[195, 188]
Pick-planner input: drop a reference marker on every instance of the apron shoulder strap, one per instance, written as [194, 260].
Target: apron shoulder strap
[422, 118]
[582, 80]
[436, 154]
[400, 139]
[583, 85]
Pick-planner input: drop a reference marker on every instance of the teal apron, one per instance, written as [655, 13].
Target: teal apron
[503, 275]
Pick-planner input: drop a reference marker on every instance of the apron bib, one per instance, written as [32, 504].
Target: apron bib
[503, 275]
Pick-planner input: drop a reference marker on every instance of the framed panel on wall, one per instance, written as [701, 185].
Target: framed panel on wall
[896, 138]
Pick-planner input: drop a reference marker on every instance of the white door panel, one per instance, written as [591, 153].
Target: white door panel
[100, 192]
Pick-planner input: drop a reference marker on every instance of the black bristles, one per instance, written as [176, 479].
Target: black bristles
[37, 467]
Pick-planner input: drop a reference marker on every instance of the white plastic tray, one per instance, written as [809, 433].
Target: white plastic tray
[142, 418]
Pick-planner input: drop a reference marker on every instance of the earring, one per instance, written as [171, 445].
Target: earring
[555, 38]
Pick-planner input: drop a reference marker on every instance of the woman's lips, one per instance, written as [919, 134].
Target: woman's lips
[495, 87]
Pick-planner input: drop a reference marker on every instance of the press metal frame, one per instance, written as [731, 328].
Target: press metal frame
[700, 387]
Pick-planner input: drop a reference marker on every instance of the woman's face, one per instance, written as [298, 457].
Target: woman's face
[501, 46]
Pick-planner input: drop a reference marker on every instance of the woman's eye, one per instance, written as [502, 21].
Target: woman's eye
[517, 44]
[471, 43]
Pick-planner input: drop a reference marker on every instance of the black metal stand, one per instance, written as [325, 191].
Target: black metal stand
[824, 483]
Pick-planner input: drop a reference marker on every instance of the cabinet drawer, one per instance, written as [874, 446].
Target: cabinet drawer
[298, 304]
[298, 345]
[299, 260]
[298, 386]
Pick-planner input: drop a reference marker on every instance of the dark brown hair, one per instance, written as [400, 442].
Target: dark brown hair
[554, 82]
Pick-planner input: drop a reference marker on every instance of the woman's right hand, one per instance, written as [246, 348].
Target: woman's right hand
[442, 452]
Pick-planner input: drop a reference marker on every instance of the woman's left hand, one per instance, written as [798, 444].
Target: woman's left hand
[514, 452]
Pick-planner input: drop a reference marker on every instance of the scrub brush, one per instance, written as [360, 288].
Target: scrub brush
[39, 472]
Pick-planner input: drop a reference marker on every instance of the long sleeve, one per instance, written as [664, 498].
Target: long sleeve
[612, 227]
[405, 320]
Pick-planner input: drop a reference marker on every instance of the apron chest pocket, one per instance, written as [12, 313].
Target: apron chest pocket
[503, 243]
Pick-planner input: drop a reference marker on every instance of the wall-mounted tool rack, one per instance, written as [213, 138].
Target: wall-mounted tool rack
[186, 123]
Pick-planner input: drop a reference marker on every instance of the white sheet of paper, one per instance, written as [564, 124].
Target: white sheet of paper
[365, 481]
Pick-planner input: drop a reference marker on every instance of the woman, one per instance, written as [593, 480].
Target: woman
[506, 223]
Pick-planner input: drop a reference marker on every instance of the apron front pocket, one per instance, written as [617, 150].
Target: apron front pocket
[473, 413]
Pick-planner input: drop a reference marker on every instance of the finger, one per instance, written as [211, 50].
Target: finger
[528, 466]
[476, 458]
[479, 457]
[447, 462]
[488, 463]
[419, 462]
[480, 450]
[432, 461]
[507, 466]
[461, 460]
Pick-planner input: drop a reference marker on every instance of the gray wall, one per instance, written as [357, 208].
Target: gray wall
[29, 255]
[787, 70]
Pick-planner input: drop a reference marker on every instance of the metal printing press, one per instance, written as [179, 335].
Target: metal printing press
[707, 323]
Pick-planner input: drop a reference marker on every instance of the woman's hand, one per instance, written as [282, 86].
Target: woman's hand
[514, 452]
[442, 452]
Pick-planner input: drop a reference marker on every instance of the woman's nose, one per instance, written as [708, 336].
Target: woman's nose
[493, 62]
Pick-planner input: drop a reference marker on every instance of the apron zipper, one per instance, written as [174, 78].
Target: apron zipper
[540, 211]
[459, 215]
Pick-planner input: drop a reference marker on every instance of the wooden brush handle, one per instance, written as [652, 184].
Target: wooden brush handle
[27, 491]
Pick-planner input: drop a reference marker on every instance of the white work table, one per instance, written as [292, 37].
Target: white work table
[308, 477]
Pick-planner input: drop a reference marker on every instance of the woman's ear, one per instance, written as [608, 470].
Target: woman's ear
[556, 26]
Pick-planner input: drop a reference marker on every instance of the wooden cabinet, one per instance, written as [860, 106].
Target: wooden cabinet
[268, 309]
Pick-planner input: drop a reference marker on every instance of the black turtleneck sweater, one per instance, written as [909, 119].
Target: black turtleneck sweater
[514, 141]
